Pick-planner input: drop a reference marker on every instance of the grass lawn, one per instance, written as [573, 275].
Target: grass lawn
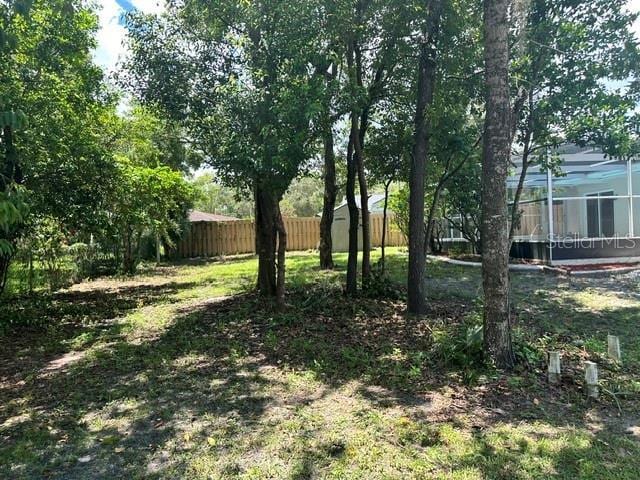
[181, 372]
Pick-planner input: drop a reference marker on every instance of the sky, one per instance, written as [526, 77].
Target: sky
[112, 33]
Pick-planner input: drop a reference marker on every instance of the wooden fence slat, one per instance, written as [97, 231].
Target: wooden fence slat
[209, 239]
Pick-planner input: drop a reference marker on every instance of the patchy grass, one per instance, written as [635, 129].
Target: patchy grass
[182, 372]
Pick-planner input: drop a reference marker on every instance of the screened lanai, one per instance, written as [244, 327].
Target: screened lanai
[589, 210]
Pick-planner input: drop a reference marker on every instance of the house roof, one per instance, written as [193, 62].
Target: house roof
[196, 216]
[580, 166]
[374, 201]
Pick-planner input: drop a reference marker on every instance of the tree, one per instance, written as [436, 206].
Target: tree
[455, 115]
[212, 197]
[148, 200]
[13, 205]
[462, 205]
[49, 78]
[67, 165]
[388, 155]
[329, 197]
[330, 112]
[146, 138]
[565, 61]
[372, 34]
[304, 197]
[416, 299]
[12, 199]
[495, 165]
[236, 75]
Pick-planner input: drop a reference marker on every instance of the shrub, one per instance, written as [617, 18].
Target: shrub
[47, 243]
[461, 345]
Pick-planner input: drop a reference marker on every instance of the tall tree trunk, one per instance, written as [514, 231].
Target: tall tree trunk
[515, 208]
[282, 249]
[383, 241]
[364, 211]
[329, 201]
[128, 262]
[5, 262]
[428, 228]
[496, 152]
[358, 146]
[354, 214]
[266, 232]
[416, 301]
[10, 174]
[352, 169]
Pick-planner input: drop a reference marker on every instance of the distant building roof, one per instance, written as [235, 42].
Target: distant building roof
[579, 166]
[196, 216]
[374, 202]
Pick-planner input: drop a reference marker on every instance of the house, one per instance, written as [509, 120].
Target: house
[586, 211]
[197, 216]
[340, 226]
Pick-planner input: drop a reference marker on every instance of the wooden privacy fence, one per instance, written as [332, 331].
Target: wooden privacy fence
[394, 237]
[212, 239]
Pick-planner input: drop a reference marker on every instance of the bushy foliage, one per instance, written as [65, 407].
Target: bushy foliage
[13, 210]
[146, 200]
[213, 197]
[399, 205]
[47, 243]
[461, 345]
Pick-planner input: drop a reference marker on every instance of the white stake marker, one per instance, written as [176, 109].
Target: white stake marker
[591, 379]
[614, 348]
[554, 367]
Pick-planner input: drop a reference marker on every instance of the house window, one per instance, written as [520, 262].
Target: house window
[453, 233]
[600, 215]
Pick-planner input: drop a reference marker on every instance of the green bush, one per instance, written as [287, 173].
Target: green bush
[461, 345]
[46, 241]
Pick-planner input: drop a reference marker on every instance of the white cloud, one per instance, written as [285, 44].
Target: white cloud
[112, 34]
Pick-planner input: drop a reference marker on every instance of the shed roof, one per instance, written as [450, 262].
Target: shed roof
[373, 202]
[197, 216]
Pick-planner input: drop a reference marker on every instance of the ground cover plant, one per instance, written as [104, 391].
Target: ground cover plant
[181, 372]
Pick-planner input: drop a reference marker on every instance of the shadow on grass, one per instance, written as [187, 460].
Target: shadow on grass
[225, 376]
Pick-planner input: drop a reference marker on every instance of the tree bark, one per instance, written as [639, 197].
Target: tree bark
[383, 241]
[416, 301]
[282, 250]
[358, 145]
[5, 262]
[266, 233]
[329, 201]
[496, 153]
[364, 211]
[354, 214]
[352, 168]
